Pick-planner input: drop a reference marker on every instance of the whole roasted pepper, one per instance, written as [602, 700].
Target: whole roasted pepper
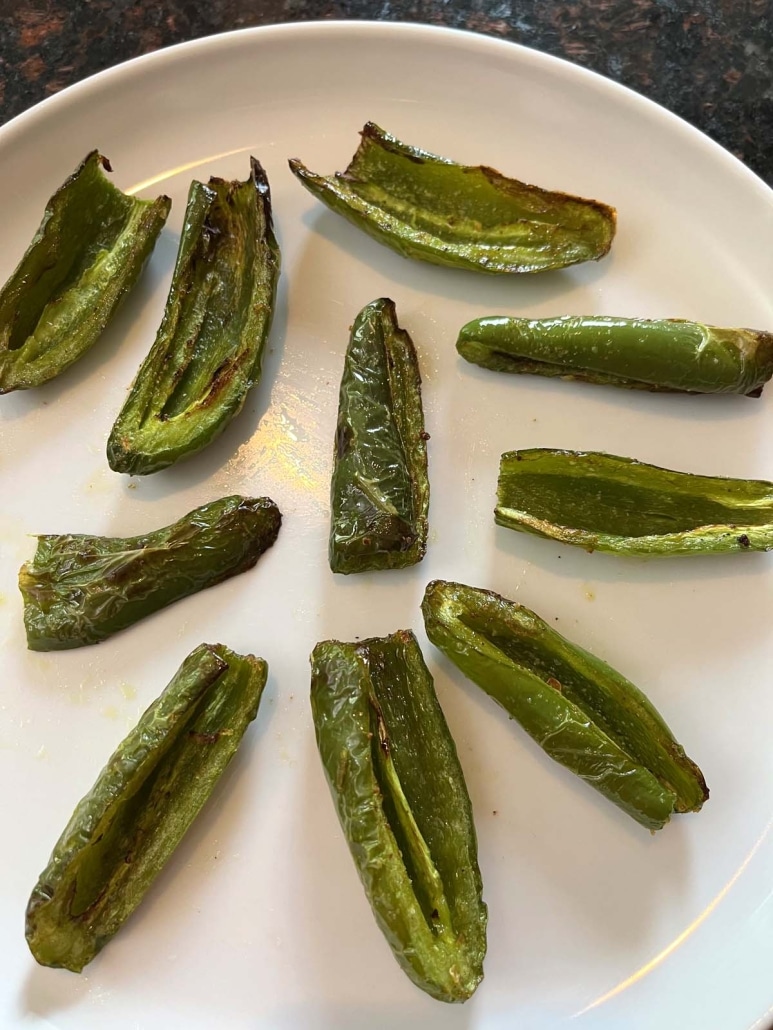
[605, 503]
[379, 493]
[209, 348]
[85, 257]
[125, 829]
[432, 209]
[403, 804]
[665, 355]
[81, 589]
[582, 712]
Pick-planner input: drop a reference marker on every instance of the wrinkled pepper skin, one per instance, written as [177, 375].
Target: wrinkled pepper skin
[80, 590]
[583, 713]
[208, 352]
[379, 494]
[86, 255]
[606, 503]
[397, 784]
[663, 356]
[125, 829]
[432, 209]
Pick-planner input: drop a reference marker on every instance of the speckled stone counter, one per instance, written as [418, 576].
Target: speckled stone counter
[710, 61]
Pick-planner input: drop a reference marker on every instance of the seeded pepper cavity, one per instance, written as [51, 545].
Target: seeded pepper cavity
[84, 258]
[209, 348]
[400, 794]
[125, 829]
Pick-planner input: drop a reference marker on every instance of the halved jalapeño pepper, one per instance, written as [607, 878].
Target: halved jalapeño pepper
[662, 355]
[402, 801]
[81, 589]
[606, 503]
[432, 209]
[209, 348]
[125, 829]
[582, 712]
[380, 490]
[84, 258]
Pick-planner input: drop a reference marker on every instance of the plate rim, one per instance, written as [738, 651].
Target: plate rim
[351, 27]
[122, 74]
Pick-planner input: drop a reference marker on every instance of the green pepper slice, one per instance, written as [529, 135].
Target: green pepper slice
[125, 829]
[208, 352]
[80, 589]
[399, 790]
[583, 713]
[432, 209]
[86, 255]
[661, 355]
[606, 503]
[379, 490]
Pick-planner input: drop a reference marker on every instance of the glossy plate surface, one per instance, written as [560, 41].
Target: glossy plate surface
[259, 920]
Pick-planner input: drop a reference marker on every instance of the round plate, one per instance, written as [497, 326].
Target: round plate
[259, 920]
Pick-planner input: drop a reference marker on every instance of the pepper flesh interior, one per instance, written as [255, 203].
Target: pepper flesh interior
[86, 255]
[125, 829]
[401, 798]
[209, 348]
[583, 713]
[609, 503]
[433, 209]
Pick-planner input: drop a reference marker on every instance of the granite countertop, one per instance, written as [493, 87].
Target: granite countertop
[710, 61]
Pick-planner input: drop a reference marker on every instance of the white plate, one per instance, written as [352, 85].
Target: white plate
[259, 920]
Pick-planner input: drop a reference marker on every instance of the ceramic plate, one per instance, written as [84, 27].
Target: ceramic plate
[259, 920]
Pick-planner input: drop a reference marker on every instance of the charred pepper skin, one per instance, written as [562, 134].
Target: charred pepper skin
[667, 355]
[80, 589]
[125, 829]
[583, 713]
[399, 790]
[432, 209]
[208, 351]
[85, 257]
[379, 494]
[603, 502]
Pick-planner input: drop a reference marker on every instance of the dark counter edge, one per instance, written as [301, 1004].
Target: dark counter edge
[713, 64]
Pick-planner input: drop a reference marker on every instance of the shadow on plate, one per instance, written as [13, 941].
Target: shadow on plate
[487, 294]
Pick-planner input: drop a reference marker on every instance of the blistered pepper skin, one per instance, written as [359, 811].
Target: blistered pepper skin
[379, 495]
[583, 713]
[660, 355]
[398, 787]
[208, 351]
[85, 257]
[80, 590]
[125, 829]
[603, 502]
[431, 209]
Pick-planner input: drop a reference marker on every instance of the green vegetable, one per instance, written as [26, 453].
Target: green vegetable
[209, 349]
[605, 503]
[583, 713]
[81, 589]
[379, 491]
[125, 829]
[84, 258]
[432, 209]
[666, 355]
[402, 801]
